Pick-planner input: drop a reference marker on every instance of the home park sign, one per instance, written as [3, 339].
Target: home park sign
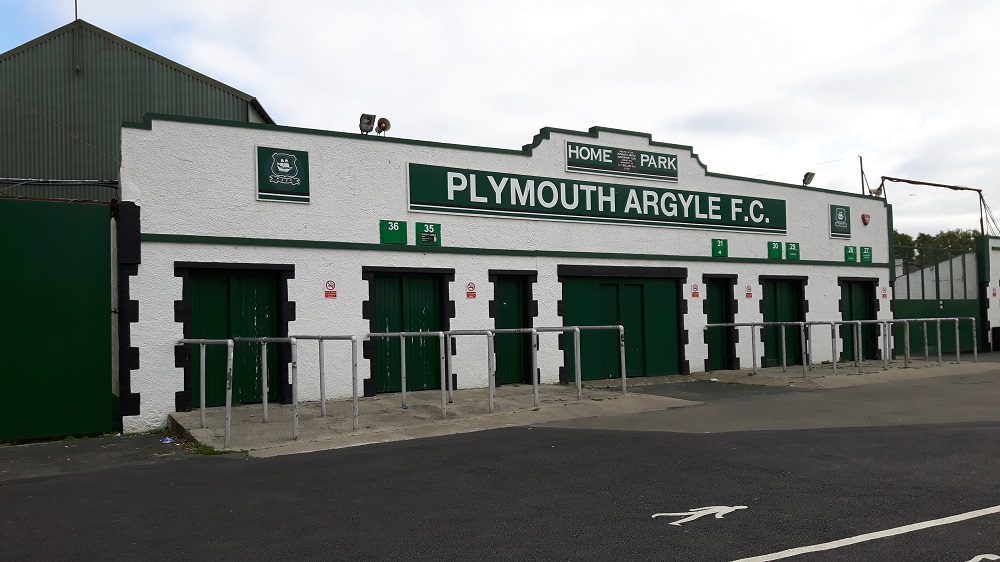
[454, 190]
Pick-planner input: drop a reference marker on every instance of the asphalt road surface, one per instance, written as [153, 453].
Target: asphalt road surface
[854, 491]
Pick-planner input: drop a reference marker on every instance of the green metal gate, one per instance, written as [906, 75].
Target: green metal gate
[406, 303]
[935, 283]
[783, 302]
[56, 367]
[719, 306]
[857, 302]
[513, 351]
[647, 308]
[226, 304]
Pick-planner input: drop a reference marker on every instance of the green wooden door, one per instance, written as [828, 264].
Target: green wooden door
[55, 278]
[721, 341]
[406, 303]
[648, 310]
[857, 303]
[228, 304]
[513, 351]
[783, 302]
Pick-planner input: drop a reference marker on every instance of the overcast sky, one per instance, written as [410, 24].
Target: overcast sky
[765, 89]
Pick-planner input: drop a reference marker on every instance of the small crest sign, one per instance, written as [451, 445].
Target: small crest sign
[282, 175]
[840, 221]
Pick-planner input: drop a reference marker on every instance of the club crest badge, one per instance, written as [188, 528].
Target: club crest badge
[284, 169]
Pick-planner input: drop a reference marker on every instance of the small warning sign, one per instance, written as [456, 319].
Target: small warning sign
[694, 291]
[331, 290]
[994, 292]
[885, 293]
[749, 292]
[470, 290]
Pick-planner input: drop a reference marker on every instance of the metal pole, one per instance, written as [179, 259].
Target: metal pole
[857, 347]
[534, 363]
[927, 350]
[229, 391]
[885, 345]
[939, 340]
[447, 363]
[576, 364]
[295, 388]
[805, 355]
[202, 386]
[263, 377]
[444, 391]
[808, 341]
[402, 370]
[975, 341]
[621, 333]
[753, 348]
[322, 382]
[958, 347]
[491, 366]
[833, 345]
[906, 344]
[784, 352]
[354, 379]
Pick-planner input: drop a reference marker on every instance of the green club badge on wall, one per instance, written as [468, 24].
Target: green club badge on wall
[282, 175]
[840, 221]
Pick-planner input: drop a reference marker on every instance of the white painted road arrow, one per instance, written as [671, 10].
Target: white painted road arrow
[982, 557]
[692, 514]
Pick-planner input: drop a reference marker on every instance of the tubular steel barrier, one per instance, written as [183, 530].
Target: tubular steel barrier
[886, 344]
[229, 379]
[322, 373]
[295, 376]
[621, 349]
[491, 367]
[534, 353]
[402, 361]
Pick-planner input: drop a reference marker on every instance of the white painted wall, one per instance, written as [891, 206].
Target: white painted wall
[198, 179]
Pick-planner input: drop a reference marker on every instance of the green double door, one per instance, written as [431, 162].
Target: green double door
[513, 351]
[407, 303]
[647, 308]
[783, 301]
[229, 303]
[857, 302]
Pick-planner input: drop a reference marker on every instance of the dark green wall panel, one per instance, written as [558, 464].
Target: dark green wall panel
[55, 370]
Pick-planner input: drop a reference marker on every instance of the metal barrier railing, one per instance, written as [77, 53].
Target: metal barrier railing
[491, 368]
[263, 341]
[229, 379]
[322, 373]
[806, 335]
[534, 354]
[576, 351]
[402, 352]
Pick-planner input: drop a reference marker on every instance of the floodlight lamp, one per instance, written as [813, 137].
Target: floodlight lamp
[808, 178]
[367, 123]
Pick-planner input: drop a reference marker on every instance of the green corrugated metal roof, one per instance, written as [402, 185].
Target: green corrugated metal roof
[64, 95]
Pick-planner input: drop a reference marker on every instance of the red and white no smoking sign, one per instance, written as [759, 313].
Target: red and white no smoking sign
[331, 290]
[470, 290]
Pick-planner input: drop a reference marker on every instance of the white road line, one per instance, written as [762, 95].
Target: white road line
[872, 536]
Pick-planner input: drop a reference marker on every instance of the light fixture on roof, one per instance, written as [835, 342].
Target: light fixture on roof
[808, 178]
[367, 123]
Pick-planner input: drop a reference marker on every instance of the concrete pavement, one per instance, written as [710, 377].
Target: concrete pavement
[382, 418]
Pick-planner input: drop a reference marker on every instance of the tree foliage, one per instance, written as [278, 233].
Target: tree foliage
[920, 250]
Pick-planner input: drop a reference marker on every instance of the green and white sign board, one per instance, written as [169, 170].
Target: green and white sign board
[866, 254]
[840, 221]
[720, 248]
[792, 250]
[774, 250]
[475, 192]
[428, 234]
[392, 232]
[282, 175]
[850, 254]
[620, 162]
